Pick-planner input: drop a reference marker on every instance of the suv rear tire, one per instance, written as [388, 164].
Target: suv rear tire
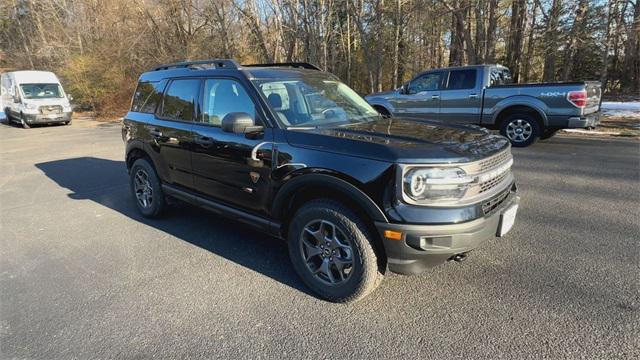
[146, 189]
[331, 250]
[521, 129]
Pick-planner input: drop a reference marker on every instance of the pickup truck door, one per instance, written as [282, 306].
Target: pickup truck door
[420, 98]
[461, 97]
[233, 168]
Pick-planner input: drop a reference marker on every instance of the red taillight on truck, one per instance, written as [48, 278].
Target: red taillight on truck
[577, 98]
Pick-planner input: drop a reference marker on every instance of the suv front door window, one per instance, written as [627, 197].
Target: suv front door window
[223, 167]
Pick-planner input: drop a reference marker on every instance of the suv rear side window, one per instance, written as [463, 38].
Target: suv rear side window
[147, 96]
[223, 96]
[462, 79]
[180, 99]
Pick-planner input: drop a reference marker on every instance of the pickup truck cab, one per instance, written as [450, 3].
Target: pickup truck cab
[34, 97]
[293, 152]
[485, 95]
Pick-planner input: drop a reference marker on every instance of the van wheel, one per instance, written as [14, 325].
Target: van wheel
[24, 122]
[521, 129]
[146, 189]
[331, 250]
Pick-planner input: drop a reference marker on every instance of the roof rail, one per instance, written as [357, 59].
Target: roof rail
[217, 63]
[302, 65]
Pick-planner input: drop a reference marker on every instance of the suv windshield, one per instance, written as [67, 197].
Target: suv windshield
[315, 101]
[41, 91]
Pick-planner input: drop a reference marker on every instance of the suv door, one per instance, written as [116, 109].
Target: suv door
[421, 97]
[233, 168]
[460, 100]
[169, 134]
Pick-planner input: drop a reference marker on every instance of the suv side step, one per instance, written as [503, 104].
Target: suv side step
[257, 222]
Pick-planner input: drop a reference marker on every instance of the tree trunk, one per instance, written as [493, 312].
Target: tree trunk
[490, 50]
[551, 41]
[577, 31]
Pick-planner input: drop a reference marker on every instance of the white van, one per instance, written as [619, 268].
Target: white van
[34, 97]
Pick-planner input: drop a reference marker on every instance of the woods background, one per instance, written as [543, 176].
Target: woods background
[99, 48]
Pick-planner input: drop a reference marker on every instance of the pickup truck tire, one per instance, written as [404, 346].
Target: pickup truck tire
[330, 249]
[521, 129]
[548, 134]
[146, 189]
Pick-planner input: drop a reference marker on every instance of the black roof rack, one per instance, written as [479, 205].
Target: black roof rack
[302, 65]
[217, 63]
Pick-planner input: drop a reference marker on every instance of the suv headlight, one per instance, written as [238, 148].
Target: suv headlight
[433, 183]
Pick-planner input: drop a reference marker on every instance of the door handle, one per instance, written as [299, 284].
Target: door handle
[473, 96]
[435, 97]
[203, 141]
[155, 133]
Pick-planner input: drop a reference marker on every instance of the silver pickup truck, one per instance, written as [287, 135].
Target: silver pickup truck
[485, 95]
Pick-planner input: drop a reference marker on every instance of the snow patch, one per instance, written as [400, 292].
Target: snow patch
[630, 109]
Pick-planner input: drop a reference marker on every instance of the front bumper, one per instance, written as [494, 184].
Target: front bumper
[425, 246]
[47, 119]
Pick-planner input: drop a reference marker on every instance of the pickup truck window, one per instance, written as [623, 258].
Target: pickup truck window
[500, 76]
[426, 82]
[462, 79]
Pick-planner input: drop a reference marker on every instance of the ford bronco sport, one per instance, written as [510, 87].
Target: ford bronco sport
[292, 151]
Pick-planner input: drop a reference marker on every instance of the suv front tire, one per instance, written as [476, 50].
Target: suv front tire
[331, 250]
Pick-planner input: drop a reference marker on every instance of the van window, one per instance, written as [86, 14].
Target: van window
[147, 96]
[223, 96]
[41, 91]
[180, 99]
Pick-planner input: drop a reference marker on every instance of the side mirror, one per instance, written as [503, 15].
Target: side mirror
[16, 99]
[239, 123]
[404, 89]
[69, 97]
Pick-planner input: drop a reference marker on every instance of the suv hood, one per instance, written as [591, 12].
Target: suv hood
[402, 140]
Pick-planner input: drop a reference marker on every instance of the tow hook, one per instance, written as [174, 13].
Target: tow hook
[459, 257]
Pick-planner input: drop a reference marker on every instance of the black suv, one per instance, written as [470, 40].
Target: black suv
[292, 151]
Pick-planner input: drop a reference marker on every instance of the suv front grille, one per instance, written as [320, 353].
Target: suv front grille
[493, 161]
[50, 109]
[488, 185]
[493, 203]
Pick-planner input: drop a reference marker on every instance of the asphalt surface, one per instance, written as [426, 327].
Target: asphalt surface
[82, 275]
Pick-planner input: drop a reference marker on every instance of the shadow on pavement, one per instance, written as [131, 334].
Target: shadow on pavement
[106, 182]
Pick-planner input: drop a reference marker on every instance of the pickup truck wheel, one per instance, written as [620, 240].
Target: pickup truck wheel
[331, 251]
[521, 129]
[146, 189]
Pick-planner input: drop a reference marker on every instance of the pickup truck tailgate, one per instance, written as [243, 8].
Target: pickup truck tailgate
[594, 95]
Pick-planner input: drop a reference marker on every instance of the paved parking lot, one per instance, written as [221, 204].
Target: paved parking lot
[82, 275]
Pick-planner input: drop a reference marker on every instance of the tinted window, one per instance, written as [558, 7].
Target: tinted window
[462, 79]
[223, 96]
[147, 97]
[180, 99]
[427, 82]
[500, 77]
